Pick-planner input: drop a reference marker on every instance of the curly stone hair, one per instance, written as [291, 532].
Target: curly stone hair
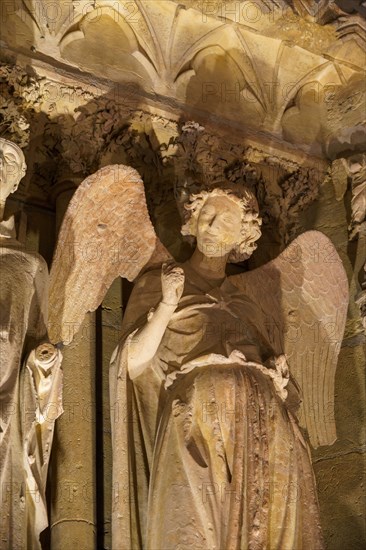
[250, 220]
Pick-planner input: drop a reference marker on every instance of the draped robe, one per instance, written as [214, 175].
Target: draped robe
[207, 453]
[30, 395]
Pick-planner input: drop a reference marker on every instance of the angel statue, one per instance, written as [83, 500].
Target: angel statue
[209, 451]
[30, 376]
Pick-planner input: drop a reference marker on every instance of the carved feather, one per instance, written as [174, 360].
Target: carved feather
[106, 233]
[303, 294]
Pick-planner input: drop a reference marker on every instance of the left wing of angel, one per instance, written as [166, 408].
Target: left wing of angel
[106, 233]
[303, 295]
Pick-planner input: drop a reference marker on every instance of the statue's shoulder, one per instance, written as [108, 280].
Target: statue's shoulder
[11, 251]
[150, 280]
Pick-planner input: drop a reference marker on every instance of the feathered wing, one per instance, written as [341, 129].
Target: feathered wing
[106, 233]
[303, 294]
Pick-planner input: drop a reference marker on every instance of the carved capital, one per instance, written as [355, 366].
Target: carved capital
[283, 187]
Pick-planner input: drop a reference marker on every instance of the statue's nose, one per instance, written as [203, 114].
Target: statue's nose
[211, 222]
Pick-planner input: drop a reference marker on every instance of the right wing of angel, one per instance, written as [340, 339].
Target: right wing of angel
[106, 233]
[303, 295]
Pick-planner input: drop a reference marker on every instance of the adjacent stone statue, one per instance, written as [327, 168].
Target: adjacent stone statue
[206, 383]
[30, 376]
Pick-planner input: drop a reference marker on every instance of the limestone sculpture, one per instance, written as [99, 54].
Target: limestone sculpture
[210, 370]
[30, 376]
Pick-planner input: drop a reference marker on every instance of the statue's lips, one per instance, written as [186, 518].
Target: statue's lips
[210, 239]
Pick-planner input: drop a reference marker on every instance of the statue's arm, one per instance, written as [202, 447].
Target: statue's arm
[43, 358]
[41, 393]
[145, 342]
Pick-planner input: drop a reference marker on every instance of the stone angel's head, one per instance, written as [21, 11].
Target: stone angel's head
[12, 168]
[224, 221]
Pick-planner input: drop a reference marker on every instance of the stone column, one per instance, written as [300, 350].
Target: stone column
[349, 179]
[73, 502]
[109, 320]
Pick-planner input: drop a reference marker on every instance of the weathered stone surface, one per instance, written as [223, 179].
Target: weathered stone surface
[31, 378]
[176, 360]
[341, 483]
[268, 94]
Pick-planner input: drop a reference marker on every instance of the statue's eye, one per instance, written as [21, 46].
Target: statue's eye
[206, 216]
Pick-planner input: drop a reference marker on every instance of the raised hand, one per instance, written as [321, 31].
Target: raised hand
[172, 283]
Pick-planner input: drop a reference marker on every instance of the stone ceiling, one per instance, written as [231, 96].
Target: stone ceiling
[290, 71]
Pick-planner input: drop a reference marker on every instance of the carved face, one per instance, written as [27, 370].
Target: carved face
[12, 168]
[218, 227]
